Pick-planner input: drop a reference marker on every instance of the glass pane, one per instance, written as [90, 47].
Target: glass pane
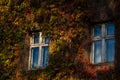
[46, 40]
[110, 49]
[36, 38]
[45, 50]
[97, 51]
[110, 29]
[97, 31]
[35, 54]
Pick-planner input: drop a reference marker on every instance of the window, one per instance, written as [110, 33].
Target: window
[39, 50]
[104, 43]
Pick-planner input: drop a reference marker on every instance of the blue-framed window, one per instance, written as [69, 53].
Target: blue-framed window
[39, 51]
[104, 43]
[35, 56]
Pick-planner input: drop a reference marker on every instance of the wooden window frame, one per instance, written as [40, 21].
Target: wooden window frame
[40, 57]
[102, 38]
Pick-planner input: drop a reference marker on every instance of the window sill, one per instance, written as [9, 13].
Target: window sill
[38, 68]
[105, 64]
[31, 71]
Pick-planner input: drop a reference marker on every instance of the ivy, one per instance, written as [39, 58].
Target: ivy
[65, 22]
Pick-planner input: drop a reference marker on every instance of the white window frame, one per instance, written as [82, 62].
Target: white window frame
[40, 45]
[103, 37]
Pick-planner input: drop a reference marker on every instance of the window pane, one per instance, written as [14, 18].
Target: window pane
[46, 40]
[110, 29]
[35, 54]
[45, 50]
[110, 49]
[97, 51]
[36, 38]
[97, 31]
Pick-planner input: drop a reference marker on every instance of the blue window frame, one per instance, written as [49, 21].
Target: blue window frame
[39, 51]
[104, 43]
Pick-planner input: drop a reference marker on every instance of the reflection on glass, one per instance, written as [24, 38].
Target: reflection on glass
[97, 51]
[46, 40]
[45, 50]
[35, 54]
[36, 38]
[110, 29]
[110, 49]
[97, 31]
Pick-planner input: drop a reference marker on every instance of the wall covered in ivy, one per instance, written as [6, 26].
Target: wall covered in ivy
[67, 23]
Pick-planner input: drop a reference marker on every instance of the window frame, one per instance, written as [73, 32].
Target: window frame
[40, 44]
[102, 38]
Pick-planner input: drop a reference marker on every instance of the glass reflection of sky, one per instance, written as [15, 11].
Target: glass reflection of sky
[110, 29]
[97, 31]
[110, 49]
[45, 55]
[36, 38]
[35, 54]
[97, 51]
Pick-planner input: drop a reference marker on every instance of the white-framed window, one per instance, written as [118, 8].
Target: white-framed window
[103, 43]
[39, 51]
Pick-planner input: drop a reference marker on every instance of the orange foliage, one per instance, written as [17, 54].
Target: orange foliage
[69, 35]
[63, 14]
[102, 68]
[71, 24]
[62, 32]
[28, 14]
[73, 16]
[90, 68]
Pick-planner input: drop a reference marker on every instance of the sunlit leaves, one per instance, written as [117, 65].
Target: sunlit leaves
[13, 27]
[64, 21]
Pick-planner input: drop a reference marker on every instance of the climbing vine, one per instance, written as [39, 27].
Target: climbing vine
[65, 22]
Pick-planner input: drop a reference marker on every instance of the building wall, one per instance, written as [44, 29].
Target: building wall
[102, 11]
[117, 23]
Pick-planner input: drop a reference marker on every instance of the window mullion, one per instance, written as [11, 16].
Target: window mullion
[103, 43]
[40, 38]
[93, 58]
[103, 31]
[40, 56]
[103, 51]
[40, 52]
